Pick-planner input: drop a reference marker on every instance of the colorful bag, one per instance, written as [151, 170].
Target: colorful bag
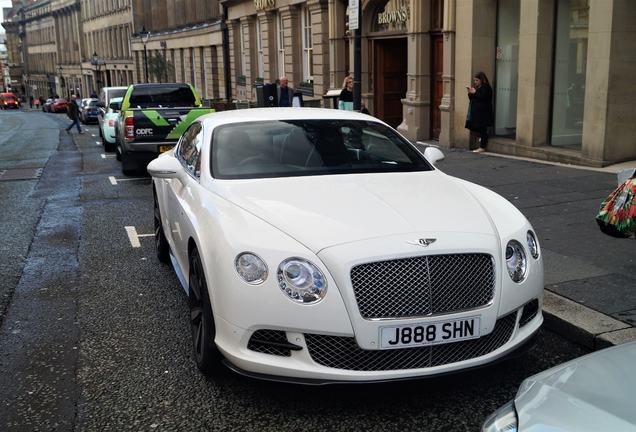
[617, 215]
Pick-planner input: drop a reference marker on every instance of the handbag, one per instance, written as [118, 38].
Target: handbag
[617, 215]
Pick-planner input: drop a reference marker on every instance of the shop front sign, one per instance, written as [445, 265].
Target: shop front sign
[392, 17]
[264, 4]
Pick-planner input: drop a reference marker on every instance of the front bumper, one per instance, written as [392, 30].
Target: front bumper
[318, 363]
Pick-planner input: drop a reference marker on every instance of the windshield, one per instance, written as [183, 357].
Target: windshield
[167, 96]
[287, 148]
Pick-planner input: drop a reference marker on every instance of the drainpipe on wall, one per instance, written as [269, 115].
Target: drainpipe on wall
[226, 55]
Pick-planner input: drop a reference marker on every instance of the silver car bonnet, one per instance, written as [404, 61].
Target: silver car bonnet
[596, 392]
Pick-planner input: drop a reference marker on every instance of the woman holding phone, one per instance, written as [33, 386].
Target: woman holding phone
[479, 117]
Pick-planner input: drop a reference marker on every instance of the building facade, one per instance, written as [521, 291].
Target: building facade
[13, 43]
[107, 57]
[184, 44]
[561, 70]
[67, 32]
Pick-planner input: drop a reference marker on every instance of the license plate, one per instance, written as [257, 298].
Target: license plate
[431, 333]
[165, 148]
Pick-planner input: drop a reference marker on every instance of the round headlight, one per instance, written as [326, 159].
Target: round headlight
[251, 268]
[533, 245]
[516, 261]
[301, 281]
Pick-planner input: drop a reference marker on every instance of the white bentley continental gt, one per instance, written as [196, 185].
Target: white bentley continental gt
[321, 246]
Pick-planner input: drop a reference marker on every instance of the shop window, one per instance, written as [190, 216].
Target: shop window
[570, 61]
[507, 67]
[308, 51]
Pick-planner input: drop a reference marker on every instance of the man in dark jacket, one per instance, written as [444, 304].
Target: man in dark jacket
[72, 111]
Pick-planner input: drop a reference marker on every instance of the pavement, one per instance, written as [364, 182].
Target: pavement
[590, 278]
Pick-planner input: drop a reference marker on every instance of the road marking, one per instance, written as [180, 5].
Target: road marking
[98, 143]
[134, 237]
[104, 156]
[114, 181]
[93, 135]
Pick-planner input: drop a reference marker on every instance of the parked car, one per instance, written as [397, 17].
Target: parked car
[9, 101]
[88, 111]
[593, 393]
[320, 245]
[58, 106]
[109, 125]
[105, 96]
[46, 106]
[155, 116]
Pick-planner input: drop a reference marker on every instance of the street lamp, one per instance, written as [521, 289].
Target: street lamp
[95, 62]
[144, 34]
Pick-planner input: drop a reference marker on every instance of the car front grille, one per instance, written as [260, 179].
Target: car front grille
[344, 353]
[421, 286]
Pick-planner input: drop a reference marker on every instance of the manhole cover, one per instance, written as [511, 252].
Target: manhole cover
[20, 174]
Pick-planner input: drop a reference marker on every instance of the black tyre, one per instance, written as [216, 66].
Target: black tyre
[161, 243]
[109, 147]
[128, 165]
[206, 353]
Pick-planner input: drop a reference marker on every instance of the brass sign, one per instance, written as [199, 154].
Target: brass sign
[394, 16]
[264, 4]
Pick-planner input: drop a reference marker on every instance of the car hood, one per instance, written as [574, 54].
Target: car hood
[323, 211]
[592, 393]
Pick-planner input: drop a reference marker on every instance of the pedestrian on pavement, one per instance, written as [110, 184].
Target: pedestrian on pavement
[345, 100]
[31, 101]
[285, 93]
[479, 117]
[36, 102]
[73, 113]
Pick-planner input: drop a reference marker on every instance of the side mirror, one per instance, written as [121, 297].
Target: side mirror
[166, 167]
[433, 155]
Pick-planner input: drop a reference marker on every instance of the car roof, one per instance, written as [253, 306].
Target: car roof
[267, 114]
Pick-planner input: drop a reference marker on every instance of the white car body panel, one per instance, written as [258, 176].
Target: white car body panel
[108, 132]
[595, 392]
[336, 222]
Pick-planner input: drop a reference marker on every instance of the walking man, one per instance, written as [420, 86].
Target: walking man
[72, 112]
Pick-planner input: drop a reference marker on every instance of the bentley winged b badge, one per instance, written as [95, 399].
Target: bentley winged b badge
[424, 242]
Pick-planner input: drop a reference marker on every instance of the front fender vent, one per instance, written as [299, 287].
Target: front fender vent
[272, 342]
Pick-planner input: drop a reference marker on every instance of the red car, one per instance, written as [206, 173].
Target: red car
[8, 101]
[59, 105]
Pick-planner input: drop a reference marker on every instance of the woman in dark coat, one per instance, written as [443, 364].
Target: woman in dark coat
[480, 117]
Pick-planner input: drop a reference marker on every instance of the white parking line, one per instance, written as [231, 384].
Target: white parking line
[134, 237]
[98, 143]
[114, 181]
[104, 156]
[93, 135]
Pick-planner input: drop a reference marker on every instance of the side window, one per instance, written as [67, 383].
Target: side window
[189, 150]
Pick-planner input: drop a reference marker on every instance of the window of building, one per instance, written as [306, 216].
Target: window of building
[259, 50]
[192, 68]
[204, 84]
[308, 60]
[280, 44]
[507, 67]
[243, 47]
[570, 61]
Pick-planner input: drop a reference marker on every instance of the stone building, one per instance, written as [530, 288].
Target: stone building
[15, 61]
[562, 73]
[107, 58]
[67, 33]
[272, 38]
[38, 39]
[184, 44]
